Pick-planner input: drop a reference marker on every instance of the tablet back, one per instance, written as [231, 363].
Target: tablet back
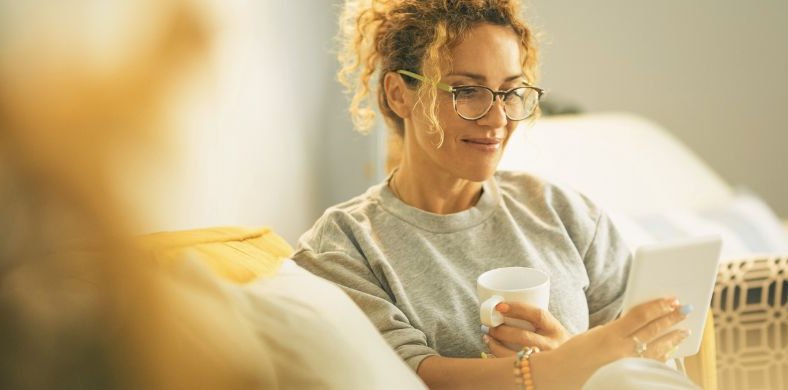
[686, 270]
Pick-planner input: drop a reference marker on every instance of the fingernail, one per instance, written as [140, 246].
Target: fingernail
[686, 309]
[486, 339]
[485, 329]
[502, 307]
[674, 303]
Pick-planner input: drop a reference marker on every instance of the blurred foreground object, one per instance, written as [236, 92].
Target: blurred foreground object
[84, 91]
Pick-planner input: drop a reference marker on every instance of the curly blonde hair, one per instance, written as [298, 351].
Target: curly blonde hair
[381, 36]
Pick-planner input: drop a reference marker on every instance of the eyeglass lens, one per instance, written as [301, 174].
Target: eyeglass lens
[473, 102]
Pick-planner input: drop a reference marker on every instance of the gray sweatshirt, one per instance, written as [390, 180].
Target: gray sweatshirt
[414, 272]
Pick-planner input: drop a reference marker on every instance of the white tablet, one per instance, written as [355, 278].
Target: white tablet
[686, 270]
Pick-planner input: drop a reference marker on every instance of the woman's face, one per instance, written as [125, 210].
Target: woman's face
[489, 56]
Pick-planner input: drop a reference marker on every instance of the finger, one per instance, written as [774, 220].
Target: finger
[642, 314]
[519, 336]
[496, 348]
[540, 319]
[664, 346]
[655, 328]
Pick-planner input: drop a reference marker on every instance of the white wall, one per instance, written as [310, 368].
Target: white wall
[243, 139]
[269, 142]
[712, 72]
[273, 144]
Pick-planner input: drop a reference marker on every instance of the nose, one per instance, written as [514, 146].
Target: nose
[496, 116]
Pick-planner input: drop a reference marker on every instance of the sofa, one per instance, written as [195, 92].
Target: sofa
[636, 171]
[250, 257]
[307, 332]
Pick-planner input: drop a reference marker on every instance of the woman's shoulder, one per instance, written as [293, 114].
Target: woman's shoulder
[552, 203]
[344, 220]
[535, 191]
[358, 208]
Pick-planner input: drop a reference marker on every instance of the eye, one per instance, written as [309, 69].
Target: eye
[467, 93]
[519, 92]
[516, 94]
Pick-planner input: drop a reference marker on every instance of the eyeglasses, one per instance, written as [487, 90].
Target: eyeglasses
[472, 102]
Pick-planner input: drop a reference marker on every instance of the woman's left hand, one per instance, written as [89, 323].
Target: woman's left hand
[548, 332]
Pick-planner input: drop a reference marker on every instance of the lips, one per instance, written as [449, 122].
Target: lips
[483, 145]
[483, 141]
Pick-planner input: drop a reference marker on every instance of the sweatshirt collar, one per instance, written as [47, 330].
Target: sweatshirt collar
[441, 223]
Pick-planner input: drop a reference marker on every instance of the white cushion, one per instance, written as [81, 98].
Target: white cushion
[746, 224]
[653, 187]
[621, 161]
[319, 338]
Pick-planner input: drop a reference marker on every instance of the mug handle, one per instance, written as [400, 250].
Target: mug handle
[487, 313]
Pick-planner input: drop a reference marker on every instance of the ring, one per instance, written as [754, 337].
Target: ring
[640, 347]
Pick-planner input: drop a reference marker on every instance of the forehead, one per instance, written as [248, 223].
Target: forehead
[488, 50]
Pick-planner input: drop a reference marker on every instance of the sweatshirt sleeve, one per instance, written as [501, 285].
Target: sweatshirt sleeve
[605, 256]
[332, 252]
[607, 261]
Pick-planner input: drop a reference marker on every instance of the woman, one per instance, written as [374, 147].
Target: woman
[454, 79]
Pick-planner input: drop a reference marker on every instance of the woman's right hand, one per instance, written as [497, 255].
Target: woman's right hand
[638, 333]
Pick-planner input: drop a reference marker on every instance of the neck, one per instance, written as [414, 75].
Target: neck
[438, 194]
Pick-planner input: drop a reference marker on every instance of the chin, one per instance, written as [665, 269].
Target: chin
[480, 175]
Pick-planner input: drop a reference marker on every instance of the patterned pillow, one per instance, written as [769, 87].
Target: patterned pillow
[750, 307]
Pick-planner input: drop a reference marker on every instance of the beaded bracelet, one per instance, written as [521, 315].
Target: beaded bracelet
[522, 368]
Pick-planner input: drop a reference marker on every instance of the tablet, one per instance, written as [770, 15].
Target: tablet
[686, 270]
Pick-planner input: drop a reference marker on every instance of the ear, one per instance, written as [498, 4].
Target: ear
[398, 96]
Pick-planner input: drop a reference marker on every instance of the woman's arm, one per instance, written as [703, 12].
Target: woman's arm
[450, 373]
[573, 362]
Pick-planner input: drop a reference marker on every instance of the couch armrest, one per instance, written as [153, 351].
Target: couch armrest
[702, 367]
[237, 254]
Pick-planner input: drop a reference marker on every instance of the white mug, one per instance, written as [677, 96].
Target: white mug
[511, 284]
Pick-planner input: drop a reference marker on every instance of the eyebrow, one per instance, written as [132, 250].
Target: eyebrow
[480, 78]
